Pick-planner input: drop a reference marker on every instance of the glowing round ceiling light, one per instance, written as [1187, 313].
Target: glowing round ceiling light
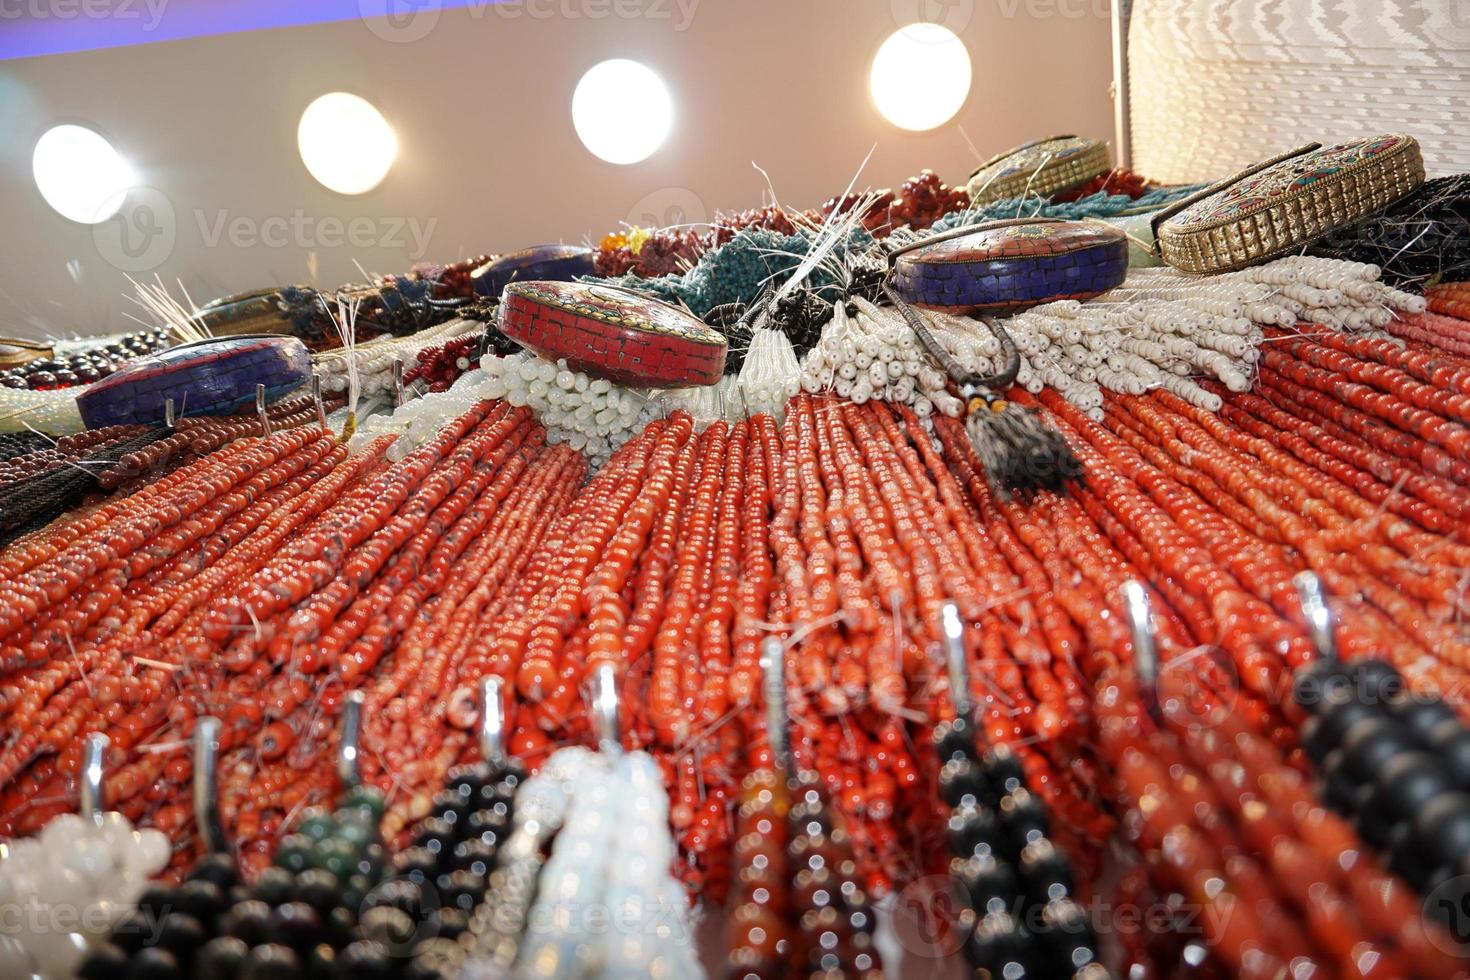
[346, 143]
[80, 174]
[622, 111]
[920, 76]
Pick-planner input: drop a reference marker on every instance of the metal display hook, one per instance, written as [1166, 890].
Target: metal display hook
[206, 792]
[1319, 616]
[778, 719]
[348, 749]
[605, 709]
[260, 413]
[93, 798]
[1145, 645]
[492, 719]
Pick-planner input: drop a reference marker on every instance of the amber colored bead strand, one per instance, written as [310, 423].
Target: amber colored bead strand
[316, 557]
[1386, 906]
[756, 567]
[313, 621]
[356, 635]
[1434, 504]
[671, 684]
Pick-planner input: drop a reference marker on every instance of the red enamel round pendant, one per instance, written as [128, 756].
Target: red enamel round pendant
[613, 333]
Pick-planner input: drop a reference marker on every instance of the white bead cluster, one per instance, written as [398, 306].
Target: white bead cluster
[592, 415]
[52, 412]
[1160, 329]
[375, 357]
[68, 887]
[875, 355]
[611, 859]
[417, 420]
[769, 377]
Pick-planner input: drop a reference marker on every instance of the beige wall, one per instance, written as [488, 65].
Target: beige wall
[488, 158]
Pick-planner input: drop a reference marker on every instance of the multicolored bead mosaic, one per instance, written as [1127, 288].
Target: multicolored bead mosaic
[541, 263]
[1005, 268]
[211, 377]
[613, 333]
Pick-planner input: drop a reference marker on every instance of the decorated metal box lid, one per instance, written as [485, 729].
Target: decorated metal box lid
[1042, 168]
[613, 333]
[540, 263]
[1286, 202]
[1005, 266]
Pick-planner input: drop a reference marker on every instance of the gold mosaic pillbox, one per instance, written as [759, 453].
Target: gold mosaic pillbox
[1280, 205]
[1042, 168]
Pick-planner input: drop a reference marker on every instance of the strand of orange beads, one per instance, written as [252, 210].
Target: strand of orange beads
[1433, 503]
[1314, 852]
[410, 706]
[112, 547]
[51, 725]
[716, 625]
[1368, 414]
[1448, 333]
[314, 630]
[127, 695]
[425, 544]
[1378, 541]
[670, 702]
[757, 569]
[539, 635]
[316, 559]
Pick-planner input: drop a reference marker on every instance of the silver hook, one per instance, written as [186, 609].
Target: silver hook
[206, 792]
[347, 750]
[1145, 649]
[399, 397]
[954, 656]
[1319, 617]
[94, 747]
[778, 721]
[316, 398]
[492, 719]
[605, 709]
[265, 420]
[168, 413]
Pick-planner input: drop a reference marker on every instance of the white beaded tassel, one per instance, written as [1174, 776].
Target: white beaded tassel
[652, 935]
[77, 879]
[771, 375]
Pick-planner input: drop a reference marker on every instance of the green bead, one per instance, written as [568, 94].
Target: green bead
[337, 856]
[316, 823]
[296, 853]
[367, 797]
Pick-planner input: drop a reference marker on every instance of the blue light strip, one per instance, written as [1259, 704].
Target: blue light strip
[39, 27]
